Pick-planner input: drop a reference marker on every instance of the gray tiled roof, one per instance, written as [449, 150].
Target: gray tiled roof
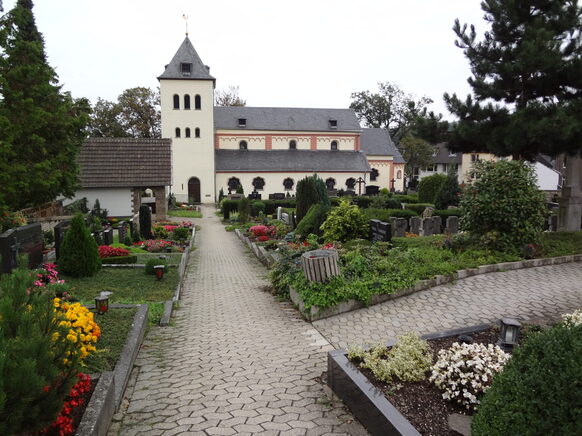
[443, 155]
[186, 54]
[285, 118]
[125, 162]
[377, 142]
[290, 160]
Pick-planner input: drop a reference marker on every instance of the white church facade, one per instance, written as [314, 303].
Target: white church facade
[267, 150]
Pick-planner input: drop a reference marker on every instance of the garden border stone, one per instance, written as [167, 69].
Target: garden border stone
[100, 409]
[366, 401]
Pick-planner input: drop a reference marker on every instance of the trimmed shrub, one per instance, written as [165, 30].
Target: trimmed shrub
[257, 208]
[180, 233]
[149, 266]
[429, 187]
[229, 206]
[79, 256]
[406, 198]
[445, 213]
[145, 221]
[127, 240]
[311, 223]
[418, 207]
[450, 192]
[363, 202]
[244, 209]
[344, 223]
[309, 192]
[504, 206]
[540, 390]
[119, 260]
[385, 214]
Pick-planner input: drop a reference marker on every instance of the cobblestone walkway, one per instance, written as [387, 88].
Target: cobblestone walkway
[235, 361]
[543, 292]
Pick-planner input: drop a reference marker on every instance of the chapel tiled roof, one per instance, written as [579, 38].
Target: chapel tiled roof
[186, 54]
[125, 162]
[377, 142]
[290, 160]
[444, 156]
[285, 119]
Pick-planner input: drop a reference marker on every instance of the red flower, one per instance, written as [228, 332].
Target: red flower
[107, 251]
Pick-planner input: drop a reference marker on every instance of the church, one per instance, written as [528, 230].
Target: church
[264, 150]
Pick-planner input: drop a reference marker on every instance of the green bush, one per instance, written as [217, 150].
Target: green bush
[34, 378]
[311, 223]
[363, 202]
[504, 206]
[406, 198]
[386, 214]
[119, 260]
[127, 240]
[272, 205]
[445, 213]
[160, 232]
[180, 233]
[418, 207]
[539, 392]
[229, 206]
[344, 223]
[149, 266]
[429, 187]
[310, 190]
[78, 255]
[257, 208]
[145, 221]
[450, 192]
[244, 210]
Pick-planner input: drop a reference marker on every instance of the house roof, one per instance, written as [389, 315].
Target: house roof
[290, 160]
[443, 155]
[186, 54]
[125, 162]
[377, 142]
[285, 118]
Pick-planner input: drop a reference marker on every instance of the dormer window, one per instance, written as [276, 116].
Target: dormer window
[242, 122]
[332, 123]
[186, 68]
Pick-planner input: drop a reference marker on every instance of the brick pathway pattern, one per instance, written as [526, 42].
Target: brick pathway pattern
[526, 294]
[235, 360]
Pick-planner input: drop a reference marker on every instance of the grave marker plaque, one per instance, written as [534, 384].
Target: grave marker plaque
[452, 225]
[400, 226]
[415, 225]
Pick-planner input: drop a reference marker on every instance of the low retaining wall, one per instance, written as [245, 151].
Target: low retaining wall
[367, 402]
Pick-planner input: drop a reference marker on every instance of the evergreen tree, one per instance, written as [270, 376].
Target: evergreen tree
[526, 80]
[79, 256]
[450, 192]
[41, 128]
[310, 190]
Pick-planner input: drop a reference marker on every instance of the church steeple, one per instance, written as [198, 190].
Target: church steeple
[186, 64]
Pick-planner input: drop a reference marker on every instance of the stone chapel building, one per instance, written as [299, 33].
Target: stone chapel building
[267, 150]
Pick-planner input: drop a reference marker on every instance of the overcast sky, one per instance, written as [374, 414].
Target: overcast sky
[299, 54]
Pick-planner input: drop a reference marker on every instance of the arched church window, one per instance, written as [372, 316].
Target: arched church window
[292, 145]
[243, 145]
[197, 132]
[187, 101]
[288, 183]
[330, 183]
[334, 145]
[233, 183]
[176, 101]
[197, 102]
[258, 183]
[374, 175]
[399, 174]
[351, 183]
[187, 132]
[177, 132]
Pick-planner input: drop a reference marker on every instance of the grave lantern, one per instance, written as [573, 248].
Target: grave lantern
[102, 302]
[159, 271]
[509, 333]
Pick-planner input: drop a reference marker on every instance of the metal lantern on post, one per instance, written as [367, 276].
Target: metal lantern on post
[159, 271]
[102, 302]
[509, 333]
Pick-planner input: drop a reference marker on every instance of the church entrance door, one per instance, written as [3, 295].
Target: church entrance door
[194, 190]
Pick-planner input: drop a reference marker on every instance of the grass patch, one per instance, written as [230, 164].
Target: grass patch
[115, 326]
[171, 258]
[129, 285]
[185, 213]
[561, 243]
[155, 312]
[131, 249]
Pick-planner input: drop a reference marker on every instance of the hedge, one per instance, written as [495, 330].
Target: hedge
[118, 260]
[406, 198]
[445, 213]
[385, 214]
[418, 207]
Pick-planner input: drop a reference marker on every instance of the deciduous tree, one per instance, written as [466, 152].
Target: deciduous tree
[229, 97]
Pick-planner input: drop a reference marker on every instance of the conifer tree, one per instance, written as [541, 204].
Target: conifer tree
[41, 128]
[310, 190]
[526, 80]
[79, 255]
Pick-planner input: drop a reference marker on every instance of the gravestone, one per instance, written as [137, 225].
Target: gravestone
[452, 225]
[372, 190]
[277, 196]
[380, 231]
[122, 231]
[373, 229]
[437, 224]
[553, 223]
[400, 226]
[427, 227]
[415, 225]
[279, 213]
[25, 240]
[254, 196]
[286, 218]
[392, 222]
[107, 237]
[350, 192]
[60, 230]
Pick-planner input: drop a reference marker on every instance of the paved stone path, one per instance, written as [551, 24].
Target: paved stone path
[543, 292]
[235, 361]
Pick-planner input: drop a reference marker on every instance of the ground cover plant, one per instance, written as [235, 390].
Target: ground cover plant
[184, 213]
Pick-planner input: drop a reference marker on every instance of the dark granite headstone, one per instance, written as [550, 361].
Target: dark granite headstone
[25, 240]
[553, 223]
[415, 225]
[437, 224]
[60, 230]
[372, 190]
[122, 231]
[380, 231]
[107, 237]
[400, 226]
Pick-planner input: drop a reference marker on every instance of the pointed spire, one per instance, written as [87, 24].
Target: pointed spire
[186, 64]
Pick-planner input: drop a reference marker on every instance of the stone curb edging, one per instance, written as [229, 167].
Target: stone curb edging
[111, 385]
[169, 304]
[267, 257]
[368, 403]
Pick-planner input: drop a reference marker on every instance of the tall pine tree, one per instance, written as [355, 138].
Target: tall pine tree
[526, 80]
[41, 128]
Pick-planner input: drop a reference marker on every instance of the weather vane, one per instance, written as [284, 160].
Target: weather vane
[186, 19]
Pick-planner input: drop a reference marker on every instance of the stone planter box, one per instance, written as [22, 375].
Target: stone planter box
[315, 313]
[368, 403]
